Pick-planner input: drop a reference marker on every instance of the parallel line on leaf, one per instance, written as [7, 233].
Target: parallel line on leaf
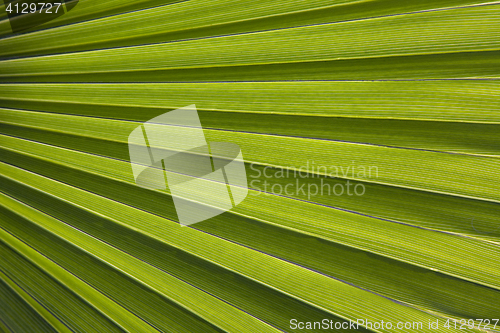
[295, 229]
[316, 303]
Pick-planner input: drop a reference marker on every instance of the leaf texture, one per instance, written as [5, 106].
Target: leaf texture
[399, 99]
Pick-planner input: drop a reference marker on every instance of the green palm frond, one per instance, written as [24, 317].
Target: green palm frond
[398, 98]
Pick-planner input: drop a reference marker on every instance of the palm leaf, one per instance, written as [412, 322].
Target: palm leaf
[408, 91]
